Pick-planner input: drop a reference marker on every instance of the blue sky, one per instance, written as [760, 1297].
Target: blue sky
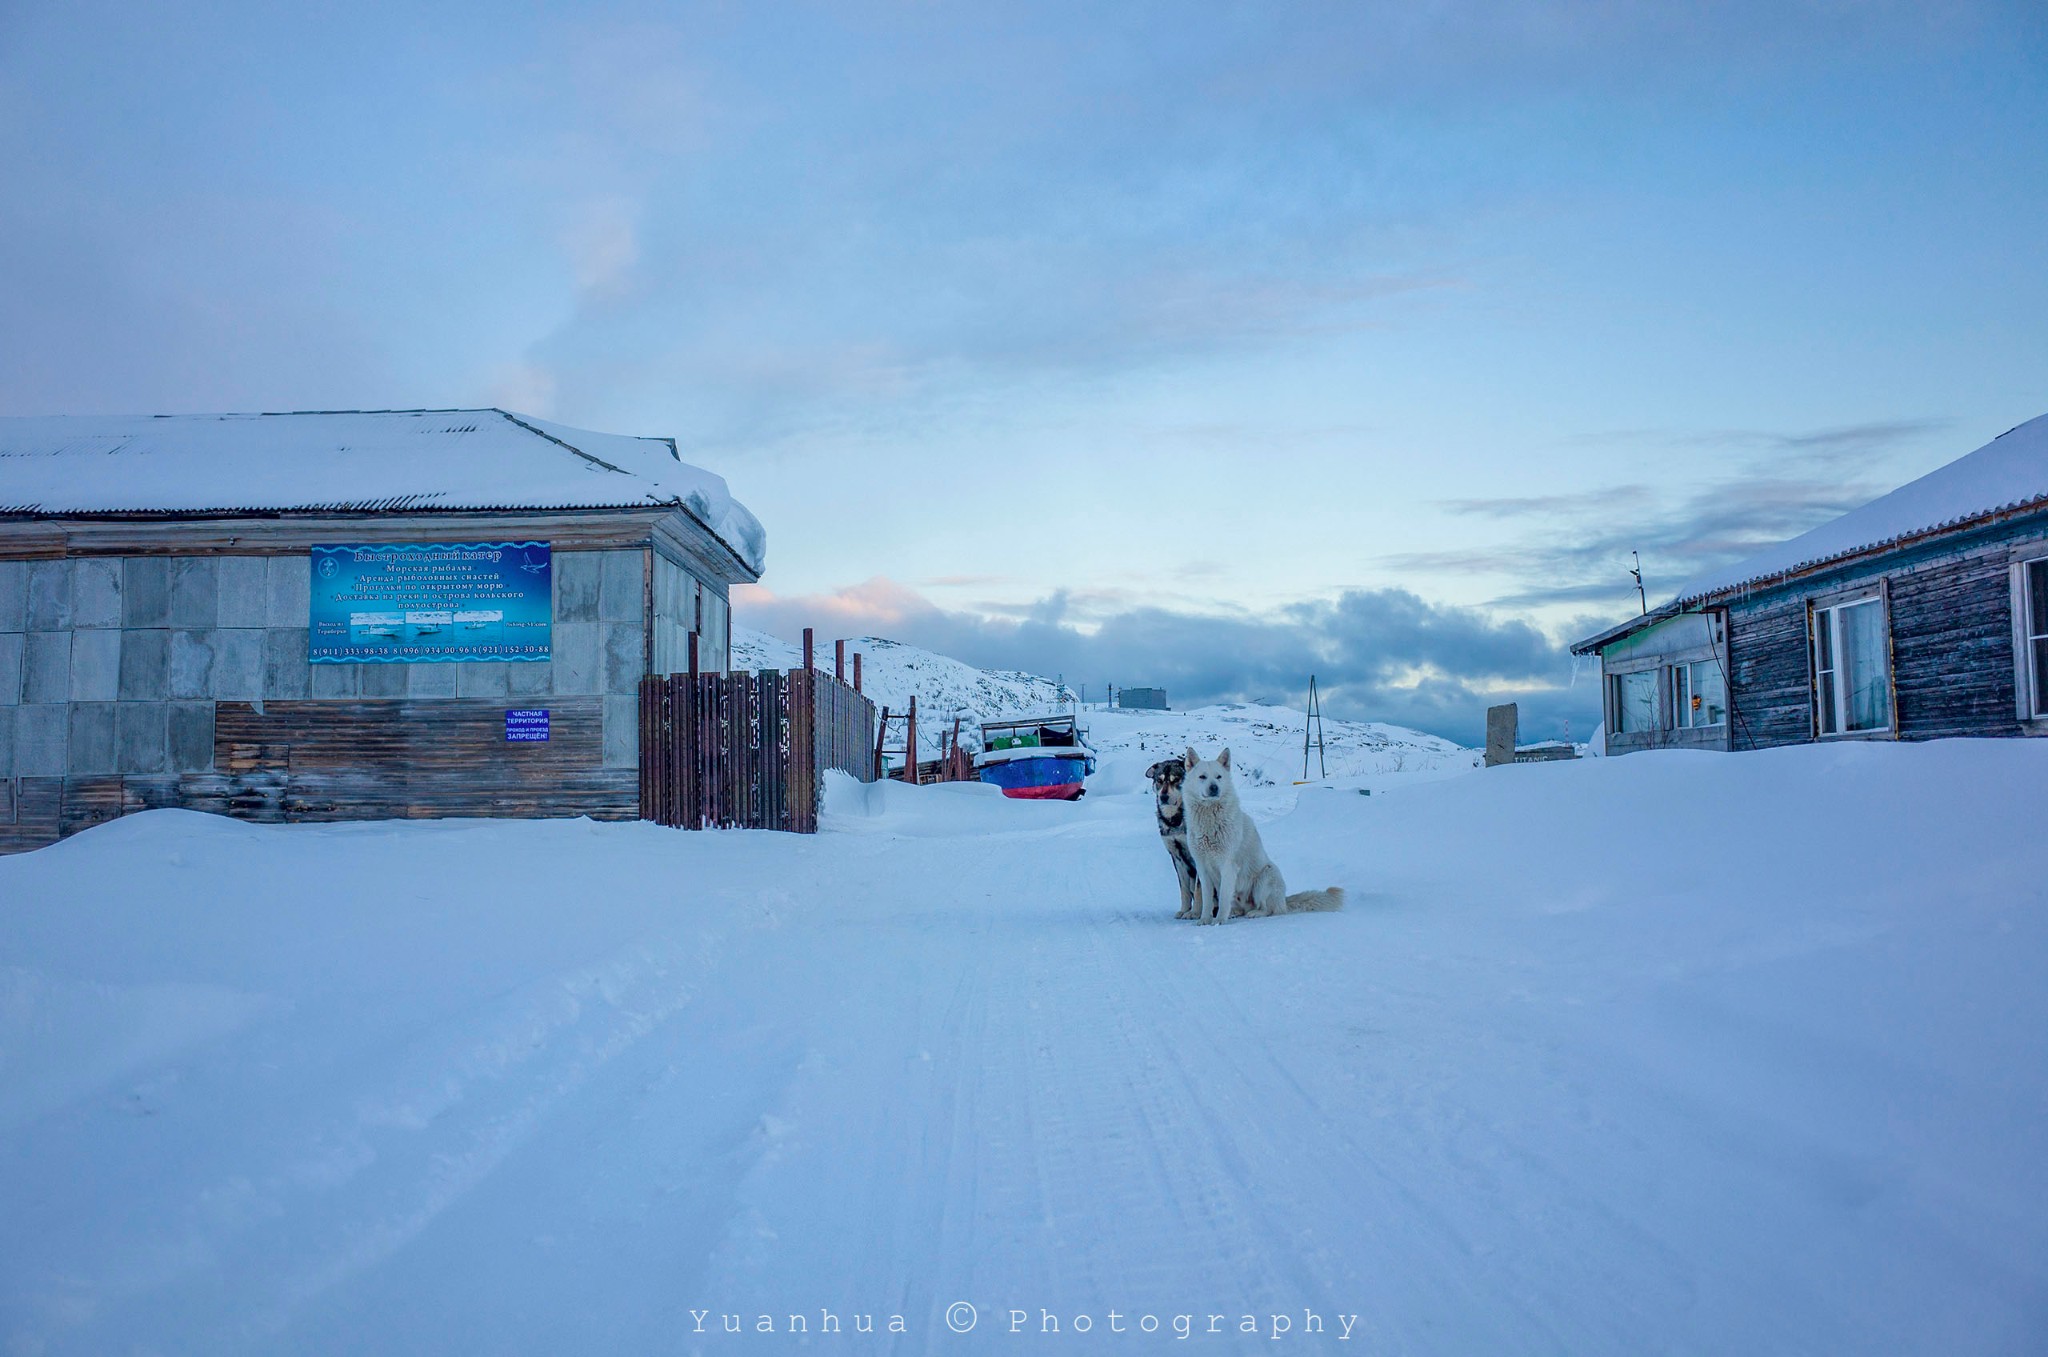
[1196, 344]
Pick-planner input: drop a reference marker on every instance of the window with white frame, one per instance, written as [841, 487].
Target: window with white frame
[1633, 700]
[1699, 694]
[2034, 633]
[1852, 667]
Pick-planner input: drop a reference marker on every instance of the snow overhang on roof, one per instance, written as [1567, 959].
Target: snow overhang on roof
[354, 461]
[2007, 475]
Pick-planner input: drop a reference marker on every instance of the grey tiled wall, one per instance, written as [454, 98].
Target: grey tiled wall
[112, 665]
[675, 612]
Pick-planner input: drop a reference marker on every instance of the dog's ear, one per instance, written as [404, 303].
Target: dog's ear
[1157, 770]
[1190, 757]
[1224, 758]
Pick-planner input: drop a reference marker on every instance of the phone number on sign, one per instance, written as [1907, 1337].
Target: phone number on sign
[433, 652]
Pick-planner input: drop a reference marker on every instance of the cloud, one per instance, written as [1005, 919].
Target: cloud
[105, 316]
[1578, 547]
[525, 388]
[966, 581]
[603, 244]
[1377, 654]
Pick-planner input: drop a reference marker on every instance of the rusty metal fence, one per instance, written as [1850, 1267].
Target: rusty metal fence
[748, 750]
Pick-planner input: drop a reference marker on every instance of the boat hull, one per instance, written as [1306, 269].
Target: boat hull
[1039, 779]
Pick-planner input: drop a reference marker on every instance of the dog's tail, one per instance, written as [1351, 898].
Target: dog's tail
[1333, 898]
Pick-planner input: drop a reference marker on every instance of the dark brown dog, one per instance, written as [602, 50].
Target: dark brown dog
[1167, 776]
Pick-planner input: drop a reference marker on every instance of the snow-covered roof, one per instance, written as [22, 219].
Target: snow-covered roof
[353, 461]
[2009, 473]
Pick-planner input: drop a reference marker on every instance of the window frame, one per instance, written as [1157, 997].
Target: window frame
[1868, 593]
[1658, 664]
[1658, 699]
[2026, 680]
[1684, 690]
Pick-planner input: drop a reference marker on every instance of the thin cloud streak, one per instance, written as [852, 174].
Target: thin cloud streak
[1578, 549]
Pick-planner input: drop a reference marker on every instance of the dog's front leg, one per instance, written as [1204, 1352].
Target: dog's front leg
[1224, 893]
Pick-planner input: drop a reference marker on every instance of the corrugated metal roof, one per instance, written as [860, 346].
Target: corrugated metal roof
[352, 461]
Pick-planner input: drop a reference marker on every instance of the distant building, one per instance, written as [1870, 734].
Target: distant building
[1141, 699]
[349, 615]
[1920, 615]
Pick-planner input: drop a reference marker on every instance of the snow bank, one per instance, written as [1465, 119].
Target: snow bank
[1675, 1052]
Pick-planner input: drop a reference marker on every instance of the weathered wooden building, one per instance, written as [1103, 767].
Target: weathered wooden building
[344, 615]
[1921, 615]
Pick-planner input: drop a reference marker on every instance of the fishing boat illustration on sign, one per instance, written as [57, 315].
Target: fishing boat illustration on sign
[1040, 758]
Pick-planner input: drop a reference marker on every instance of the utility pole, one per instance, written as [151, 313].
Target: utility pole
[1641, 597]
[1312, 732]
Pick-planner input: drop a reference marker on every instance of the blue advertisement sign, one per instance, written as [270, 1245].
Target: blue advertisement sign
[430, 602]
[528, 726]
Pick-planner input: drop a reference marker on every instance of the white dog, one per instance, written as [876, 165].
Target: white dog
[1236, 875]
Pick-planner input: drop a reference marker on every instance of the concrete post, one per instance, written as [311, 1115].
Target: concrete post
[1501, 734]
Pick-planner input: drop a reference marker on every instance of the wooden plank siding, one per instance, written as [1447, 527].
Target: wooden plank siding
[1771, 696]
[421, 760]
[37, 805]
[315, 761]
[1950, 616]
[1952, 647]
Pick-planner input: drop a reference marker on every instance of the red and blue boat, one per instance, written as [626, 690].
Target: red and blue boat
[1039, 758]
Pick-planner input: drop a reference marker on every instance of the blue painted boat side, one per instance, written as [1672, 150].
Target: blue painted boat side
[1020, 774]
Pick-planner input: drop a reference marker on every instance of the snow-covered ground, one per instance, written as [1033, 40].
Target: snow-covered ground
[1672, 1053]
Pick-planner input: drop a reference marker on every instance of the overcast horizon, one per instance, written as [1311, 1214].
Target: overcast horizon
[1201, 346]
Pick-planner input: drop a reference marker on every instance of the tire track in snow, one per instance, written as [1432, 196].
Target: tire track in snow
[1130, 1170]
[1331, 1180]
[467, 1094]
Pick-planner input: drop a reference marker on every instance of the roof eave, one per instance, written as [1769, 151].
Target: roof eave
[407, 507]
[1601, 640]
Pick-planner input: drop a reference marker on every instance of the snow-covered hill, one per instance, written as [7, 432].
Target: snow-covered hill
[1265, 745]
[892, 673]
[1265, 741]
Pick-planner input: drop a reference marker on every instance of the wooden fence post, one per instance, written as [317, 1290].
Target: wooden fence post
[839, 661]
[910, 753]
[807, 650]
[691, 757]
[749, 750]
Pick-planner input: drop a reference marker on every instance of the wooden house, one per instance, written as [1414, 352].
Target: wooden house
[1921, 615]
[341, 615]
